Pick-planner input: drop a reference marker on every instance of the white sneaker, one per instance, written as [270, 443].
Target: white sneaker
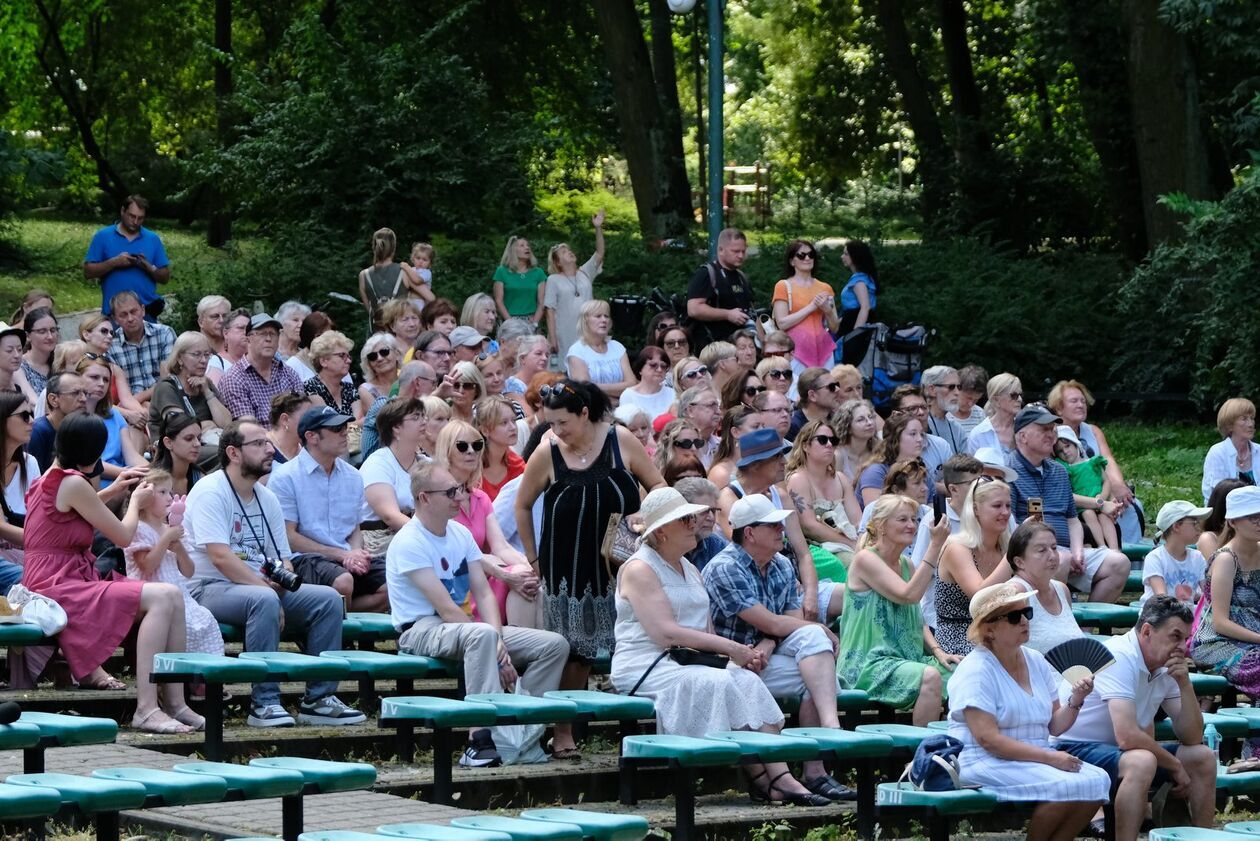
[269, 715]
[329, 711]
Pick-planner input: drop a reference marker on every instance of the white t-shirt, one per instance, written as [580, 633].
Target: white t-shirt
[14, 493]
[603, 367]
[1182, 579]
[382, 468]
[566, 295]
[1127, 679]
[417, 548]
[654, 405]
[214, 516]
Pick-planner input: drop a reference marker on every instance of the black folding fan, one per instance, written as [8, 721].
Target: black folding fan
[1079, 658]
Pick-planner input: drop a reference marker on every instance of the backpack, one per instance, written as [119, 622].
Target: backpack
[935, 764]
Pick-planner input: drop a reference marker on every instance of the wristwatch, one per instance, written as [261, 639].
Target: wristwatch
[1099, 502]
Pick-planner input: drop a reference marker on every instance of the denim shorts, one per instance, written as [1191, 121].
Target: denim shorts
[1107, 757]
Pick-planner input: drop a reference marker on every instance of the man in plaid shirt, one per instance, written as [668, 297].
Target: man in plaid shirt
[140, 347]
[755, 599]
[250, 384]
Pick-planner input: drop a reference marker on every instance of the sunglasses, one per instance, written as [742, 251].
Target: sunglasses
[1016, 395]
[676, 343]
[753, 390]
[779, 374]
[451, 492]
[695, 372]
[475, 446]
[689, 443]
[383, 353]
[467, 386]
[1014, 616]
[95, 356]
[832, 387]
[26, 416]
[549, 391]
[483, 356]
[661, 328]
[806, 255]
[827, 440]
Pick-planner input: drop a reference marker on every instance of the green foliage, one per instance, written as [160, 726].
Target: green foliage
[571, 210]
[1163, 460]
[1196, 299]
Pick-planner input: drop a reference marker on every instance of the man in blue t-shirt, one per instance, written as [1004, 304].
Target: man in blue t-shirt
[65, 395]
[128, 256]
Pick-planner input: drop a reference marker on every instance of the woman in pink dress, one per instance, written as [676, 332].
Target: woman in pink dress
[62, 511]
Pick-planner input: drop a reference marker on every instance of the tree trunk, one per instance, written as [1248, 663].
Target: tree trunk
[1096, 43]
[934, 166]
[1172, 147]
[219, 230]
[644, 128]
[675, 200]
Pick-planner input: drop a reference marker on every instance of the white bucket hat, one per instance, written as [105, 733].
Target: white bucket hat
[665, 505]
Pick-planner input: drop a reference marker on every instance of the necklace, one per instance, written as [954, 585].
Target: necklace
[585, 453]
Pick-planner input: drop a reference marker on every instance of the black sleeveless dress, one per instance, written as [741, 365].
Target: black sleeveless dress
[577, 590]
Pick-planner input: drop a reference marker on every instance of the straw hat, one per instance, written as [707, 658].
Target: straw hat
[665, 505]
[992, 600]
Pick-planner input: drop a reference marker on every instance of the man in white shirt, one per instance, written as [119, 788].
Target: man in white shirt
[235, 533]
[434, 574]
[1115, 727]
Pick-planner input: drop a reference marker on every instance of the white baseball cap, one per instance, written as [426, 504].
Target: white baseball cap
[1173, 512]
[756, 508]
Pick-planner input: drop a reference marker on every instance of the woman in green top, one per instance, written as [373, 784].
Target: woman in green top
[884, 645]
[519, 283]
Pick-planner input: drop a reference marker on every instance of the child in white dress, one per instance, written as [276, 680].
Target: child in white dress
[157, 553]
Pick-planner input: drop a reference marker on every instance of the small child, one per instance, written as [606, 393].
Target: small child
[418, 274]
[636, 420]
[157, 553]
[1174, 568]
[1089, 478]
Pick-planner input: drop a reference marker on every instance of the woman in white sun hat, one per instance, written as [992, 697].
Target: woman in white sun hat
[661, 602]
[1003, 707]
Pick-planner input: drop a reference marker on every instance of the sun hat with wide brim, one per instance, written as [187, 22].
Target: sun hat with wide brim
[992, 459]
[665, 505]
[12, 330]
[993, 600]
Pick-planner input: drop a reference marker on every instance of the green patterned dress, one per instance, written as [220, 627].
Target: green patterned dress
[881, 647]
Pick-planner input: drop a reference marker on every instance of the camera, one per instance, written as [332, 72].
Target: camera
[277, 572]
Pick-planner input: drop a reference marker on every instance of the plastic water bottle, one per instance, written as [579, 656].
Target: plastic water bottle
[1212, 739]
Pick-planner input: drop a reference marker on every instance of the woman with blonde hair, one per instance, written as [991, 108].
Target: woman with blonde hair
[437, 412]
[401, 319]
[1006, 398]
[1237, 455]
[776, 373]
[470, 387]
[690, 372]
[854, 424]
[479, 314]
[973, 559]
[330, 357]
[597, 357]
[97, 332]
[460, 449]
[378, 361]
[677, 436]
[827, 505]
[187, 389]
[518, 282]
[383, 280]
[495, 418]
[569, 287]
[885, 647]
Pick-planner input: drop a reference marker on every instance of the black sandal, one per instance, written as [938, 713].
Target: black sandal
[806, 799]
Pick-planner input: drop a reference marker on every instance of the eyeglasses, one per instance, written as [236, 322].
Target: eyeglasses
[549, 391]
[43, 331]
[265, 442]
[827, 440]
[656, 366]
[754, 390]
[198, 354]
[695, 372]
[26, 416]
[341, 354]
[676, 343]
[779, 374]
[1014, 616]
[383, 353]
[450, 493]
[916, 409]
[949, 386]
[75, 392]
[689, 443]
[806, 255]
[439, 352]
[475, 446]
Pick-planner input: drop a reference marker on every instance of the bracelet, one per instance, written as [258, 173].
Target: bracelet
[1072, 707]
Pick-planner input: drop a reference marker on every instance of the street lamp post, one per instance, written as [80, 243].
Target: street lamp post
[717, 159]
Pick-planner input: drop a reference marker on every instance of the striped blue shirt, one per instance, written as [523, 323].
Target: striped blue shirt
[1048, 481]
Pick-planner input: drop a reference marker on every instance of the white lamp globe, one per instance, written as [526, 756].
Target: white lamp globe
[681, 7]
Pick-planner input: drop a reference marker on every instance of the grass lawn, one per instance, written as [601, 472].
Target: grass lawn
[1163, 460]
[54, 250]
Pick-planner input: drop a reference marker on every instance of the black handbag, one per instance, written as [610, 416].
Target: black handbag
[684, 656]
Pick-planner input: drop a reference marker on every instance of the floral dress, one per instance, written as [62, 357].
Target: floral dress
[1238, 661]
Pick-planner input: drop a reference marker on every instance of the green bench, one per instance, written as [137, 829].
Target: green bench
[681, 755]
[521, 830]
[1137, 552]
[441, 716]
[371, 628]
[1215, 686]
[367, 667]
[22, 803]
[430, 832]
[1243, 827]
[1229, 726]
[1192, 833]
[597, 826]
[351, 629]
[214, 671]
[99, 799]
[939, 807]
[850, 703]
[63, 731]
[1105, 617]
[905, 737]
[859, 750]
[626, 710]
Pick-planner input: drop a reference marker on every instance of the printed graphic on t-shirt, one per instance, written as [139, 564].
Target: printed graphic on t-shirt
[244, 543]
[1182, 583]
[456, 583]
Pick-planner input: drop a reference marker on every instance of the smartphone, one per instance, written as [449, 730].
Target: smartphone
[1034, 508]
[938, 508]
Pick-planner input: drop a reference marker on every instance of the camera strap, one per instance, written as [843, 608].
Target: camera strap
[262, 544]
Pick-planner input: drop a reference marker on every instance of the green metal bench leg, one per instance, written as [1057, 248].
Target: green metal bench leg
[685, 805]
[33, 760]
[107, 826]
[628, 727]
[865, 768]
[291, 817]
[214, 721]
[406, 741]
[627, 793]
[938, 826]
[404, 686]
[443, 787]
[367, 695]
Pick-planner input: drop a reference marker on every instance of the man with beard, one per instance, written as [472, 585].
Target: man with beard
[235, 527]
[940, 385]
[128, 256]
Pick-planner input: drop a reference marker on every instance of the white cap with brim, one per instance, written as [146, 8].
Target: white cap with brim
[754, 509]
[665, 505]
[992, 458]
[1066, 433]
[1174, 512]
[1242, 502]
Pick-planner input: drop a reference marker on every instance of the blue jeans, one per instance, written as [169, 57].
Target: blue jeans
[312, 607]
[10, 574]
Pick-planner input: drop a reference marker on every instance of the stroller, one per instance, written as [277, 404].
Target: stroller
[894, 356]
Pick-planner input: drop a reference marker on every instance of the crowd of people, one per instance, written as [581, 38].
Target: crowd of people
[524, 493]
